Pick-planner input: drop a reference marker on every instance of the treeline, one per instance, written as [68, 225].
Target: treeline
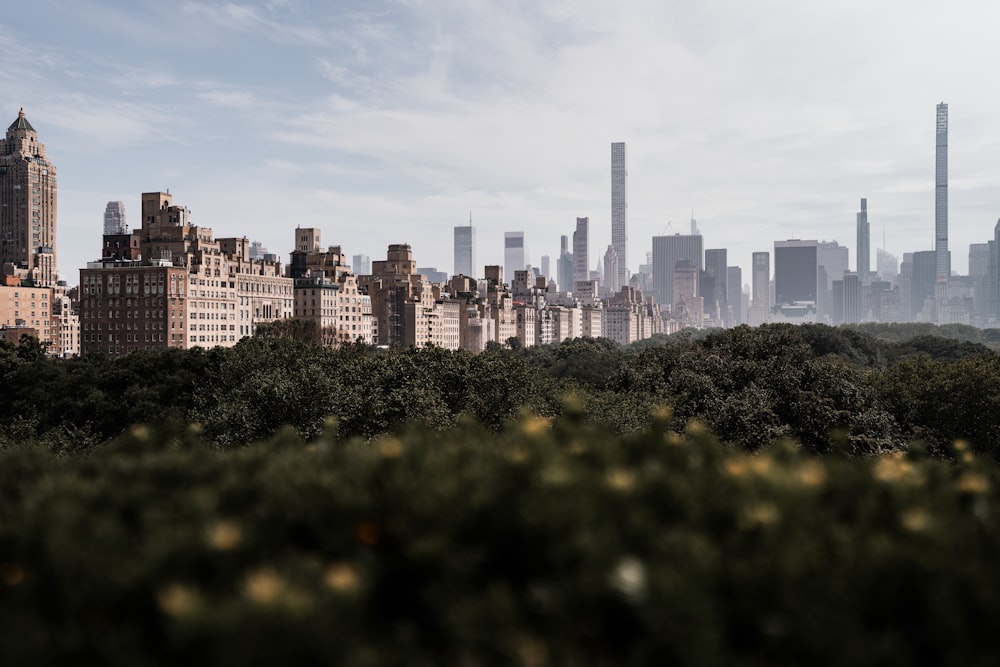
[832, 390]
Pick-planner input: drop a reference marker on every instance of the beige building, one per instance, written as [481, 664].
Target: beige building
[27, 206]
[183, 288]
[30, 307]
[402, 300]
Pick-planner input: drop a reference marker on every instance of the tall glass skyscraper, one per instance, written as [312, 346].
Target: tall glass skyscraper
[864, 262]
[581, 252]
[465, 250]
[514, 256]
[942, 259]
[619, 209]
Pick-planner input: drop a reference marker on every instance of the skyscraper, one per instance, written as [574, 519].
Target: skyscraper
[716, 260]
[619, 209]
[581, 250]
[942, 259]
[514, 256]
[734, 295]
[667, 252]
[27, 204]
[864, 260]
[564, 265]
[465, 250]
[795, 272]
[761, 280]
[114, 218]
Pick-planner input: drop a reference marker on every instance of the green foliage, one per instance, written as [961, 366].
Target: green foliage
[551, 541]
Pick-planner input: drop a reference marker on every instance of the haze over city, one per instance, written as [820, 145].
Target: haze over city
[390, 122]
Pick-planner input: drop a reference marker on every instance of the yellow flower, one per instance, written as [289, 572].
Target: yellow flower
[915, 520]
[620, 479]
[224, 535]
[341, 577]
[263, 585]
[972, 482]
[390, 447]
[176, 599]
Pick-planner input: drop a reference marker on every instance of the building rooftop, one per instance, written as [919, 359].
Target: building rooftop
[21, 123]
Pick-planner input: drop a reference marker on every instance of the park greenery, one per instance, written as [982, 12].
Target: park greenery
[776, 495]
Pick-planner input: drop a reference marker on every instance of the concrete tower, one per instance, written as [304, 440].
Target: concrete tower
[114, 218]
[942, 259]
[864, 260]
[581, 250]
[465, 250]
[619, 209]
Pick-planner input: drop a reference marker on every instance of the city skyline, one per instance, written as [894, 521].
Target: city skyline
[284, 113]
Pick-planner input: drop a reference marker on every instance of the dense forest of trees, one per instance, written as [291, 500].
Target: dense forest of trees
[779, 495]
[851, 391]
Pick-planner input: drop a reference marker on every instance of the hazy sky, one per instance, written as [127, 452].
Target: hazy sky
[388, 122]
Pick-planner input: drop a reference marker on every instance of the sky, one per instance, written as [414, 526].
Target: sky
[392, 122]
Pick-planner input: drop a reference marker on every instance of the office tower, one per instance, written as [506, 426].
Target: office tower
[795, 272]
[852, 295]
[993, 277]
[611, 271]
[922, 284]
[942, 258]
[114, 218]
[546, 267]
[564, 267]
[514, 256]
[832, 260]
[887, 264]
[619, 209]
[581, 250]
[27, 204]
[362, 265]
[716, 260]
[864, 245]
[979, 271]
[465, 250]
[667, 252]
[761, 280]
[734, 295]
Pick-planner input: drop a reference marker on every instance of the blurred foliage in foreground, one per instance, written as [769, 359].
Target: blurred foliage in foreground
[547, 541]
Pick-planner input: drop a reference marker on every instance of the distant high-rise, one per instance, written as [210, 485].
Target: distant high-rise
[114, 218]
[361, 264]
[619, 209]
[760, 294]
[546, 267]
[864, 260]
[887, 264]
[734, 295]
[942, 258]
[795, 272]
[667, 252]
[27, 204]
[610, 271]
[564, 265]
[465, 250]
[716, 261]
[761, 279]
[514, 256]
[581, 250]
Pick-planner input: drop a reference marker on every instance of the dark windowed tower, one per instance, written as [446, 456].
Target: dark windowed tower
[27, 204]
